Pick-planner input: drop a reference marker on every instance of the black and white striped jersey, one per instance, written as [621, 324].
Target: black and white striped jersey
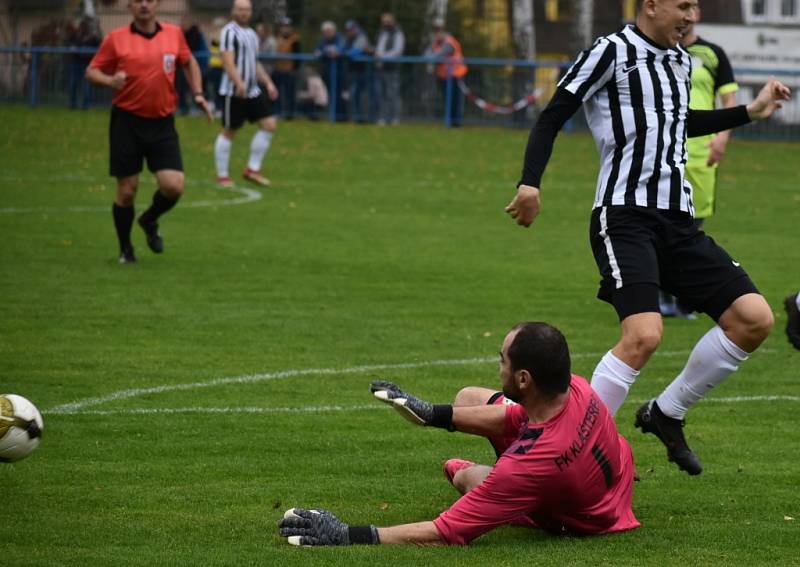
[635, 95]
[243, 42]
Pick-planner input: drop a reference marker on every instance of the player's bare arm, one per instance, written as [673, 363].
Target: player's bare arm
[266, 80]
[97, 77]
[769, 99]
[229, 66]
[485, 420]
[195, 79]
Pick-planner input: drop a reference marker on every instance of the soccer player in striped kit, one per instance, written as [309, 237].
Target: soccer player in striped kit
[634, 86]
[242, 97]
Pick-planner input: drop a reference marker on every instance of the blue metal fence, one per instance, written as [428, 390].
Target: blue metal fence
[498, 92]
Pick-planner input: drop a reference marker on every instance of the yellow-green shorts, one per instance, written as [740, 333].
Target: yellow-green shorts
[704, 186]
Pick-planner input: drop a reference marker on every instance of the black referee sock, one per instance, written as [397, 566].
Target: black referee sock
[161, 205]
[123, 221]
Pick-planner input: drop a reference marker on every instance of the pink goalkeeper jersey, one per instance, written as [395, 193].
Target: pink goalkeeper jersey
[571, 474]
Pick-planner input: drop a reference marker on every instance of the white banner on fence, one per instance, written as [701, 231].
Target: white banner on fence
[760, 48]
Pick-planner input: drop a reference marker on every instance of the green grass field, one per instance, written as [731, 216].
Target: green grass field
[191, 398]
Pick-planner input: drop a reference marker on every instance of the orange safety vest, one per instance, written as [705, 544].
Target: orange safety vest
[456, 61]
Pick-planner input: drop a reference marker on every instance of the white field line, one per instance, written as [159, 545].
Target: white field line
[79, 405]
[353, 408]
[246, 196]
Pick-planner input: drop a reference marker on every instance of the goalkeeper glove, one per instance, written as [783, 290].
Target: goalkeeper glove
[412, 408]
[320, 527]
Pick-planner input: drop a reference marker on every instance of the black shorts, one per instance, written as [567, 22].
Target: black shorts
[133, 138]
[639, 251]
[236, 110]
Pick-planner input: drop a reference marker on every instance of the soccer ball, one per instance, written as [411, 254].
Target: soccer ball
[20, 428]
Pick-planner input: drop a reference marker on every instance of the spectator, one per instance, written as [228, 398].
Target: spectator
[198, 46]
[329, 50]
[213, 77]
[86, 35]
[391, 43]
[452, 66]
[285, 70]
[267, 43]
[312, 96]
[360, 77]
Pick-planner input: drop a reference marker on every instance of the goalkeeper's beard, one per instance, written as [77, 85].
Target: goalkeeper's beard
[513, 395]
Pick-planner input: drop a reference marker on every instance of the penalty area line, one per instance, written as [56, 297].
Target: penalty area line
[247, 196]
[78, 405]
[353, 408]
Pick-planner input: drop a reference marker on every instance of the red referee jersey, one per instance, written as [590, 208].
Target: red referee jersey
[150, 62]
[571, 474]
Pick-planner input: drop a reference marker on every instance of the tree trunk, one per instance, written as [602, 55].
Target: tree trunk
[523, 29]
[88, 8]
[582, 30]
[437, 10]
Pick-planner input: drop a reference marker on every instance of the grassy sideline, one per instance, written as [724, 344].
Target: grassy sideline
[373, 247]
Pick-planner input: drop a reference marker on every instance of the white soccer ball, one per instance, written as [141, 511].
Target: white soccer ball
[20, 428]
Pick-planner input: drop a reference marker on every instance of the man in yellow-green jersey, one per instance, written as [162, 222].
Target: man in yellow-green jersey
[711, 76]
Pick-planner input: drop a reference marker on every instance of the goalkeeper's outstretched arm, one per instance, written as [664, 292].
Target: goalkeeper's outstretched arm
[320, 527]
[486, 421]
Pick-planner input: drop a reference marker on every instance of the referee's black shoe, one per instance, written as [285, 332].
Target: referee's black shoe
[154, 240]
[650, 419]
[126, 256]
[792, 320]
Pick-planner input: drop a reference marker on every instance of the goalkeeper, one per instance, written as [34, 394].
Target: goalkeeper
[562, 466]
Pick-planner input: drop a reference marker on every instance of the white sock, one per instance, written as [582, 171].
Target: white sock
[222, 155]
[797, 300]
[612, 379]
[713, 359]
[258, 149]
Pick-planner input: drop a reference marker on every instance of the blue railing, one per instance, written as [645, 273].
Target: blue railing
[490, 75]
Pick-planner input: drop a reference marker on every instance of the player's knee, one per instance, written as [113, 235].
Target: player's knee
[471, 396]
[758, 325]
[126, 193]
[172, 187]
[269, 125]
[643, 342]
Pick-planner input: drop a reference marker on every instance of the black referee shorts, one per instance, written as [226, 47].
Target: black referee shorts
[640, 250]
[235, 110]
[134, 138]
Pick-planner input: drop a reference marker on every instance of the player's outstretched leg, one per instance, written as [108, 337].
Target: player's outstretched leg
[743, 326]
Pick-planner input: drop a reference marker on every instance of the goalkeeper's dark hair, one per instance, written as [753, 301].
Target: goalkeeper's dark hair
[542, 350]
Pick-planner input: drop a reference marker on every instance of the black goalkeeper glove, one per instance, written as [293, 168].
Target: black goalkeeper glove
[411, 407]
[320, 527]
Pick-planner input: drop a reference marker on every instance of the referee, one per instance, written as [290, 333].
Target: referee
[242, 97]
[634, 86]
[139, 62]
